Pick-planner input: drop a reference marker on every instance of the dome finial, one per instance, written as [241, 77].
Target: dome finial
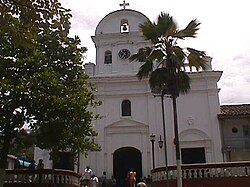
[124, 4]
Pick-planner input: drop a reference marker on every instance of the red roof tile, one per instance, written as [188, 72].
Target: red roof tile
[234, 110]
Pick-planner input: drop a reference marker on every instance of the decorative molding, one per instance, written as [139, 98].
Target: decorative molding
[190, 121]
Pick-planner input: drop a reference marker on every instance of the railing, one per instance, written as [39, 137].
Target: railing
[43, 176]
[237, 143]
[225, 174]
[192, 171]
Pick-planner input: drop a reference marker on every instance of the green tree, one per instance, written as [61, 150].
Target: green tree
[165, 62]
[42, 81]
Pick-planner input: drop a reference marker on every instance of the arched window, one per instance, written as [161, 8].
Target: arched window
[126, 108]
[108, 57]
[124, 26]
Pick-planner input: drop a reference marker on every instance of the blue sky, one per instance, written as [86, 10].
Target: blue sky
[224, 34]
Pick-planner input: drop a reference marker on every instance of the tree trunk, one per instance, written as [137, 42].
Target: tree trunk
[177, 144]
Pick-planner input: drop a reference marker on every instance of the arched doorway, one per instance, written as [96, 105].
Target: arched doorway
[124, 159]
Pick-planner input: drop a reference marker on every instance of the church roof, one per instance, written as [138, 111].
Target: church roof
[234, 111]
[110, 21]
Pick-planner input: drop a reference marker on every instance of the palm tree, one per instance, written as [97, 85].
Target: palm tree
[165, 62]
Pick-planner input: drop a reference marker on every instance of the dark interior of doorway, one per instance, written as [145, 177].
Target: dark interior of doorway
[193, 155]
[124, 160]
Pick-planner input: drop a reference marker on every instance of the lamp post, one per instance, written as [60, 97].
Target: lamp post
[156, 92]
[229, 150]
[152, 139]
[160, 142]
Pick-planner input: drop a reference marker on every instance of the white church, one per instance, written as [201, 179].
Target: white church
[132, 114]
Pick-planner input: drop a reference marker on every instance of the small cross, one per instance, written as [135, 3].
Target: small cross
[124, 4]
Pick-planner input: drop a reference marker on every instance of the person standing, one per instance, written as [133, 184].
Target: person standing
[104, 179]
[94, 181]
[132, 178]
[113, 181]
[40, 164]
[126, 180]
[86, 176]
[149, 181]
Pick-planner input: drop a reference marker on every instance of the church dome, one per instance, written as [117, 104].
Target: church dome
[121, 20]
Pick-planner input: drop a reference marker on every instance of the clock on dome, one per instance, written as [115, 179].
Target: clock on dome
[124, 53]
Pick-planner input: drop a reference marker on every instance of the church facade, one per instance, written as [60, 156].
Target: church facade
[131, 113]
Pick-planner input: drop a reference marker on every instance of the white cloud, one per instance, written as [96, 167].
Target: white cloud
[224, 34]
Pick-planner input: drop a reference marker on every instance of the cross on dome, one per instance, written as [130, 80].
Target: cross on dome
[124, 4]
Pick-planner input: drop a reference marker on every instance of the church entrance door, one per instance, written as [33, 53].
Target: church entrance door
[125, 159]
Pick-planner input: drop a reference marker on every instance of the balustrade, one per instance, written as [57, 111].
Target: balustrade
[44, 176]
[194, 171]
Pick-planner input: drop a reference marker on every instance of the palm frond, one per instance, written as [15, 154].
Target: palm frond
[158, 80]
[166, 25]
[156, 55]
[183, 82]
[169, 82]
[178, 56]
[189, 31]
[141, 55]
[197, 59]
[149, 31]
[145, 70]
[177, 83]
[164, 62]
